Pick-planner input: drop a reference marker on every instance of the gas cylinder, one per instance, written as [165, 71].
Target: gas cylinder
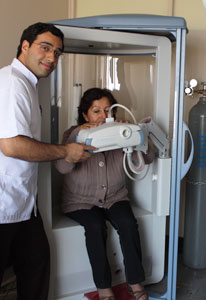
[194, 246]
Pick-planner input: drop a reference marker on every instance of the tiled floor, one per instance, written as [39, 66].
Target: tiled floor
[191, 284]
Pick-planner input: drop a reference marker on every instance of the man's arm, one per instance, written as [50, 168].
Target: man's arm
[28, 149]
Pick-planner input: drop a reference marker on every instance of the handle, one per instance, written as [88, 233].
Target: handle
[186, 165]
[59, 83]
[52, 87]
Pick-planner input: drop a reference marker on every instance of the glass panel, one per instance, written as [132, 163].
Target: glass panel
[130, 78]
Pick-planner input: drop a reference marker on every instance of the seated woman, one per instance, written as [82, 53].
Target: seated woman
[94, 191]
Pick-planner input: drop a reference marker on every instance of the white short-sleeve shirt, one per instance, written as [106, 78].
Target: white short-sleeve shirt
[19, 115]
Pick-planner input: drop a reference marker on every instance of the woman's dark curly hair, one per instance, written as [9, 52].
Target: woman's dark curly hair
[91, 95]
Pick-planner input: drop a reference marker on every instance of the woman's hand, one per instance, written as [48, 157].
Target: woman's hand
[122, 121]
[149, 157]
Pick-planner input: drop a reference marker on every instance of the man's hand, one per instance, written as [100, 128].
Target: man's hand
[28, 149]
[77, 152]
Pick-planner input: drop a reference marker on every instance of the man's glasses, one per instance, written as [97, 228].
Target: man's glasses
[49, 48]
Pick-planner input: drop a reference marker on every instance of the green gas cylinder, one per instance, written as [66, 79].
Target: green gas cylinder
[194, 246]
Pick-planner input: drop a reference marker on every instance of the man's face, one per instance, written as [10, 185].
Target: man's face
[42, 56]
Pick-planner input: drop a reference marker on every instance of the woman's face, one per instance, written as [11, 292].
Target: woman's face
[98, 111]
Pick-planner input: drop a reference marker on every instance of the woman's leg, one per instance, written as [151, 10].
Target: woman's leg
[122, 218]
[93, 221]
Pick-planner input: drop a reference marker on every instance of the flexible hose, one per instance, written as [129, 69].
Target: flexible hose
[122, 106]
[134, 168]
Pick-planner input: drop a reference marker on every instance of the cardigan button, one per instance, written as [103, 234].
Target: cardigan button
[101, 164]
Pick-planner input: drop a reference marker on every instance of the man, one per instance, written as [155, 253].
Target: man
[23, 239]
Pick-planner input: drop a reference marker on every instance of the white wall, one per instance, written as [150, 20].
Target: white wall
[16, 15]
[191, 10]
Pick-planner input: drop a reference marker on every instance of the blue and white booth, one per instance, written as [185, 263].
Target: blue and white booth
[141, 58]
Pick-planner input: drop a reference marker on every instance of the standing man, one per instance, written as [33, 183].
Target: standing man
[23, 240]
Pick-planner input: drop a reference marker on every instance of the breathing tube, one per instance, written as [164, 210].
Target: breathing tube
[138, 168]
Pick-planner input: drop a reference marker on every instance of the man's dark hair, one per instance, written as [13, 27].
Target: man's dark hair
[30, 34]
[91, 95]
